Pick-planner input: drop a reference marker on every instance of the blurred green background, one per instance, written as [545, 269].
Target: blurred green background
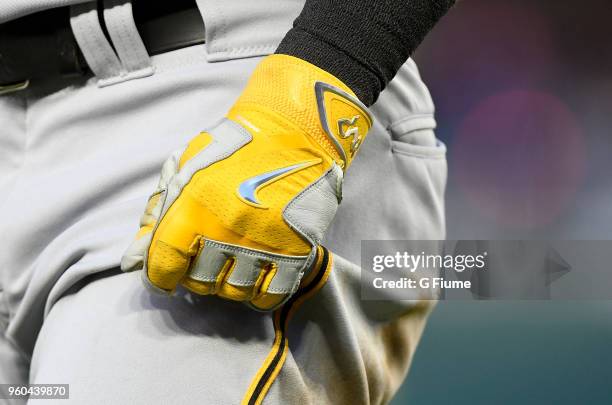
[513, 353]
[523, 90]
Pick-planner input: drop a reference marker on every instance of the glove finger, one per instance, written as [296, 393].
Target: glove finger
[281, 280]
[243, 280]
[208, 271]
[155, 203]
[262, 299]
[169, 169]
[133, 258]
[174, 244]
[166, 265]
[151, 213]
[221, 288]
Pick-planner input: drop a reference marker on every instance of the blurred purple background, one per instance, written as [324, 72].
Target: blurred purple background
[523, 91]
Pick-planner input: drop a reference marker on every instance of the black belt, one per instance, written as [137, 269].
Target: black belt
[42, 45]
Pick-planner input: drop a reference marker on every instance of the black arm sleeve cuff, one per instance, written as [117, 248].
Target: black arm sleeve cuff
[362, 42]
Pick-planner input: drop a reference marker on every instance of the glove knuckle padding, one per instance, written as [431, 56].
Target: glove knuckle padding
[247, 267]
[208, 264]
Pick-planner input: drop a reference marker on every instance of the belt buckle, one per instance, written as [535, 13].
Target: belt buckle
[13, 87]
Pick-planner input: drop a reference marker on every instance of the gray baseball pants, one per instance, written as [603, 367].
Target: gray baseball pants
[78, 159]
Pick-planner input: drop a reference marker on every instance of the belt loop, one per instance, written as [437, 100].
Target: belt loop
[121, 27]
[99, 54]
[241, 28]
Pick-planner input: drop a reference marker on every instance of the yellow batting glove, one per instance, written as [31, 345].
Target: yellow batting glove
[241, 211]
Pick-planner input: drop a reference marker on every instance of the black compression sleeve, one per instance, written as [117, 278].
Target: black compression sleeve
[362, 42]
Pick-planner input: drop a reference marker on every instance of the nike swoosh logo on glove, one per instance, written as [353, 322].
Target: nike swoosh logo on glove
[248, 188]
